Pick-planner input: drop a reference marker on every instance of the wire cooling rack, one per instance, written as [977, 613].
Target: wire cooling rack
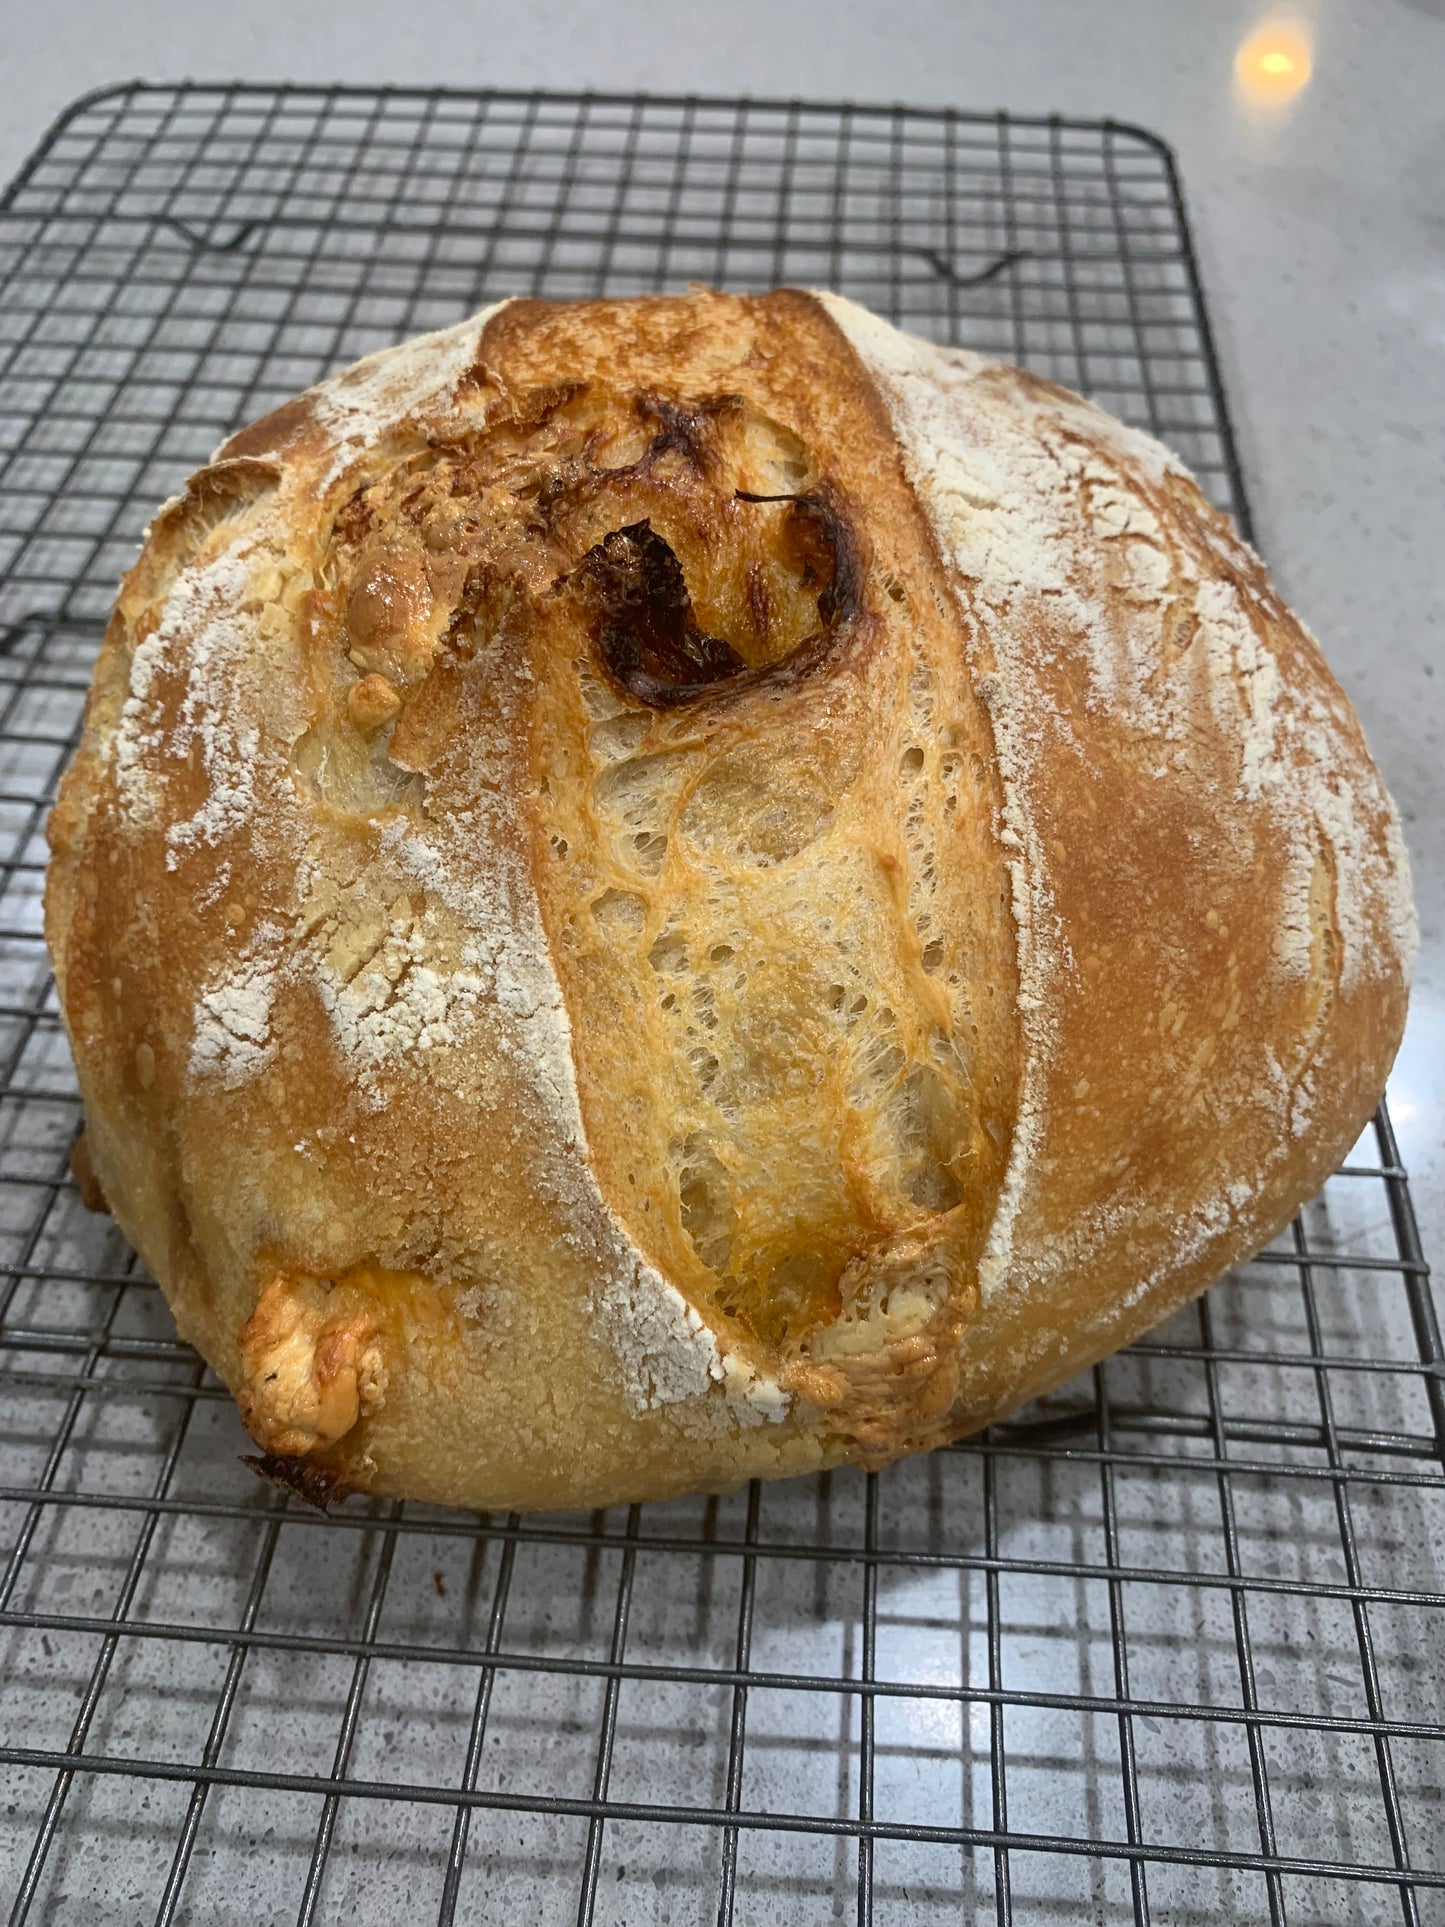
[1169, 1647]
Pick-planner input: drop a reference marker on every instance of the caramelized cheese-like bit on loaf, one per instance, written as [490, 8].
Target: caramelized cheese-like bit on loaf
[309, 1371]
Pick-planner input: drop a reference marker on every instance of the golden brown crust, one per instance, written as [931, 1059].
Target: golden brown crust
[617, 934]
[1214, 900]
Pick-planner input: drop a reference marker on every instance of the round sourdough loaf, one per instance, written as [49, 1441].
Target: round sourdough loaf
[658, 891]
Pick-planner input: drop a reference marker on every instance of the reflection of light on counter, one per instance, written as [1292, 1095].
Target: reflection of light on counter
[1274, 63]
[1417, 1083]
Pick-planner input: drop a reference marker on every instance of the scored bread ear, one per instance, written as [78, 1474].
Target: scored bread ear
[222, 493]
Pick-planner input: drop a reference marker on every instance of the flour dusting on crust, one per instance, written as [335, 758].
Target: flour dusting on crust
[360, 407]
[203, 637]
[233, 1040]
[397, 981]
[1003, 467]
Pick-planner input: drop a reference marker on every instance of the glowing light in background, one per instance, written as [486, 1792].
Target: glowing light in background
[1274, 63]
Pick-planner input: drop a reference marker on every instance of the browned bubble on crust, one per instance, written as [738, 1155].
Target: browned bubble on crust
[644, 626]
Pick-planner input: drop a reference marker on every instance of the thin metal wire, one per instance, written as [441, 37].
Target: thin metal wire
[1239, 1605]
[174, 260]
[476, 1738]
[997, 1701]
[738, 1726]
[607, 1735]
[1133, 1821]
[350, 1721]
[868, 1661]
[1361, 1612]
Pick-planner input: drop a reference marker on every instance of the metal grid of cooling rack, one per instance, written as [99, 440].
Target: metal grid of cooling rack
[1169, 1647]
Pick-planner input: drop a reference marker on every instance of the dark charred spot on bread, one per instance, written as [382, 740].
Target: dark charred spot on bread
[643, 622]
[686, 430]
[312, 1483]
[644, 626]
[819, 542]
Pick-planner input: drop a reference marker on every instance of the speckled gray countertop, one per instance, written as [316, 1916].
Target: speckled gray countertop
[1320, 222]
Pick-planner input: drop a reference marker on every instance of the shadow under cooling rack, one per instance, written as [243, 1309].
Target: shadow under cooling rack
[1168, 1646]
